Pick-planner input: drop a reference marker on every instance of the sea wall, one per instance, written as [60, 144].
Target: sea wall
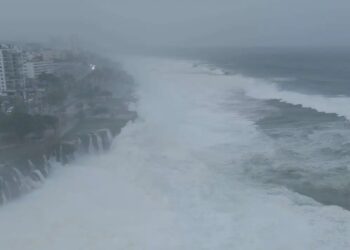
[16, 181]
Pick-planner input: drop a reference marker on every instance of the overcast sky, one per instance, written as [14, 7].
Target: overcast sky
[128, 23]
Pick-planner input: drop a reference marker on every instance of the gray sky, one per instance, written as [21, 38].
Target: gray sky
[128, 23]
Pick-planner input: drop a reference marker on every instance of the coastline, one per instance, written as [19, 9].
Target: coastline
[26, 166]
[178, 163]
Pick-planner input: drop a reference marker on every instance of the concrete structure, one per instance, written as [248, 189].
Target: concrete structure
[51, 55]
[44, 55]
[33, 69]
[11, 69]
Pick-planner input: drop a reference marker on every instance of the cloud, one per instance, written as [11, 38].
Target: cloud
[180, 23]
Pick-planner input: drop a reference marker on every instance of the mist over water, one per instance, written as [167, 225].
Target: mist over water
[176, 178]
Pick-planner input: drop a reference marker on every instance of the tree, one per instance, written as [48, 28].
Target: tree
[56, 96]
[22, 124]
[49, 78]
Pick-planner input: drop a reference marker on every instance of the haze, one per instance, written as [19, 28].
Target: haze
[132, 23]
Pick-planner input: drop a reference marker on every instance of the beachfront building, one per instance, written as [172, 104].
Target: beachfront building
[35, 68]
[12, 76]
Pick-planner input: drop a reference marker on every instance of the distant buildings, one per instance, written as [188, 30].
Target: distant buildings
[12, 77]
[18, 67]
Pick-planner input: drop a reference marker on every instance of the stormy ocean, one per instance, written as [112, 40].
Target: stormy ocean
[300, 99]
[229, 151]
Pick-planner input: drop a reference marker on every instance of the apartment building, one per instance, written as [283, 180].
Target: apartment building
[12, 76]
[33, 69]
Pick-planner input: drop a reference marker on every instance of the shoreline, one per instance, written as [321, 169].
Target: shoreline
[28, 165]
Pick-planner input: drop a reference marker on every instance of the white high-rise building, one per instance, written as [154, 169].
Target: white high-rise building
[2, 74]
[11, 69]
[33, 69]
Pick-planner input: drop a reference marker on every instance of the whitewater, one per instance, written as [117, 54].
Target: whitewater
[174, 179]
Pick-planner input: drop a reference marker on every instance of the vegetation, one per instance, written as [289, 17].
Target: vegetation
[57, 88]
[22, 124]
[55, 96]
